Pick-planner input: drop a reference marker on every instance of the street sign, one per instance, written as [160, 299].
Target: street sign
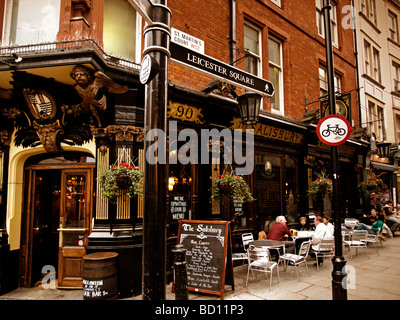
[333, 130]
[148, 69]
[186, 40]
[220, 70]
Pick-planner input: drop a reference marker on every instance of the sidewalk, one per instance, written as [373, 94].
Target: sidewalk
[375, 278]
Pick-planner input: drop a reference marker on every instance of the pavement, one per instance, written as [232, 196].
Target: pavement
[372, 277]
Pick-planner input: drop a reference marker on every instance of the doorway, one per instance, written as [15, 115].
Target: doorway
[56, 221]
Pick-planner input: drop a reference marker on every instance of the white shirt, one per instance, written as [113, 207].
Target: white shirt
[330, 230]
[319, 233]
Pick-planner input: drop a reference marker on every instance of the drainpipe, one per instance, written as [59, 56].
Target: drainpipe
[232, 41]
[357, 66]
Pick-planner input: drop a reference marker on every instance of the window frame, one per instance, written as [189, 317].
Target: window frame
[393, 26]
[334, 19]
[372, 62]
[254, 55]
[281, 110]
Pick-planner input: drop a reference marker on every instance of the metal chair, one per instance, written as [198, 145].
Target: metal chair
[326, 249]
[351, 223]
[297, 259]
[246, 238]
[358, 240]
[260, 260]
[374, 238]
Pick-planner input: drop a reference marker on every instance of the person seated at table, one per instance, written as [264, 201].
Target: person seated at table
[280, 231]
[371, 218]
[303, 225]
[374, 228]
[262, 235]
[320, 231]
[390, 217]
[330, 231]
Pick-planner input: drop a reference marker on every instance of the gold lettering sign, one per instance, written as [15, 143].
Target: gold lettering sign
[270, 132]
[185, 112]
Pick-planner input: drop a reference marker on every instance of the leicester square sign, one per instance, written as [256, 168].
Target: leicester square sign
[220, 70]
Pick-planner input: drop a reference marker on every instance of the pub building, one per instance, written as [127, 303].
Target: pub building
[56, 141]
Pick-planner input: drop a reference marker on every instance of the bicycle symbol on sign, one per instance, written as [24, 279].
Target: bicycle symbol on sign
[333, 129]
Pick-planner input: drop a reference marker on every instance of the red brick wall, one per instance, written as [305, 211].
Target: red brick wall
[294, 24]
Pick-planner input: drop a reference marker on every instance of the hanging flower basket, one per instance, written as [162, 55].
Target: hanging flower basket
[322, 185]
[367, 186]
[230, 186]
[121, 177]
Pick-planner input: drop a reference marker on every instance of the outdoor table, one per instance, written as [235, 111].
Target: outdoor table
[302, 234]
[270, 244]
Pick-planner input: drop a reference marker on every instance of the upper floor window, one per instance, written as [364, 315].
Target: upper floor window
[393, 32]
[368, 8]
[372, 61]
[321, 25]
[396, 76]
[276, 74]
[277, 2]
[121, 34]
[375, 120]
[252, 46]
[323, 82]
[31, 22]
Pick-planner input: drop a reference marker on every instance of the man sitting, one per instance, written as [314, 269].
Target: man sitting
[280, 231]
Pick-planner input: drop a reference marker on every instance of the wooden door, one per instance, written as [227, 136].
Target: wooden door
[75, 216]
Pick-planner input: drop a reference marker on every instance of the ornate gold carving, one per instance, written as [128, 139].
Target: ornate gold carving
[5, 137]
[90, 85]
[127, 133]
[47, 134]
[40, 103]
[185, 112]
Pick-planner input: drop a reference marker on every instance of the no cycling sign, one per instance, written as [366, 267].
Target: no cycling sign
[333, 130]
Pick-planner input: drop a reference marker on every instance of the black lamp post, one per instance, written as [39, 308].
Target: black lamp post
[339, 292]
[249, 106]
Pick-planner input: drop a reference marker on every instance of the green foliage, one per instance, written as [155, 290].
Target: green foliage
[109, 186]
[321, 185]
[230, 186]
[366, 186]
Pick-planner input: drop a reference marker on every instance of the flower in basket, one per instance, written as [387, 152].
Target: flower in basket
[121, 177]
[321, 185]
[230, 186]
[367, 185]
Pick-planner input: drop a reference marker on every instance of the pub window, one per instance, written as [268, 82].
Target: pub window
[393, 33]
[320, 21]
[252, 47]
[31, 22]
[121, 22]
[276, 74]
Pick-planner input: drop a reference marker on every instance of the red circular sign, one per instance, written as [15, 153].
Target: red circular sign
[333, 130]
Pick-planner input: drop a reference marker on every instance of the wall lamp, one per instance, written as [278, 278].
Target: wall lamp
[249, 106]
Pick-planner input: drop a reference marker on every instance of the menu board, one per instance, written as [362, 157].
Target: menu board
[207, 244]
[178, 207]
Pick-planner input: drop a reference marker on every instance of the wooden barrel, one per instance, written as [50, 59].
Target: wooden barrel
[100, 277]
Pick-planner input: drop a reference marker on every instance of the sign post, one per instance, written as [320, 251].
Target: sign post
[156, 52]
[338, 274]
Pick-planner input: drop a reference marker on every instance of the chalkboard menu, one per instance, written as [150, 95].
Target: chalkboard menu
[207, 244]
[237, 206]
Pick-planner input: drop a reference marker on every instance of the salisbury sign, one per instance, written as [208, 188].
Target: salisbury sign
[220, 70]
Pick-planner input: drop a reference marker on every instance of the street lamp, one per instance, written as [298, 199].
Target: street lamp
[384, 149]
[249, 106]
